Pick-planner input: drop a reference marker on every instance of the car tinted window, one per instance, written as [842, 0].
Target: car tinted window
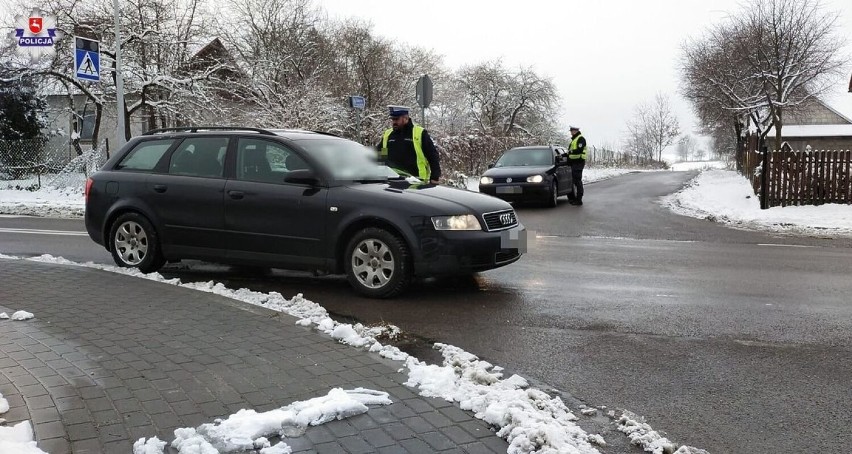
[199, 156]
[265, 161]
[145, 155]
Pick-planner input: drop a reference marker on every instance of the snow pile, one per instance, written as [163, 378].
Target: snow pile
[19, 438]
[248, 430]
[22, 315]
[727, 197]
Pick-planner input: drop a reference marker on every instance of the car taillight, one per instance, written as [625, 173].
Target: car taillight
[89, 183]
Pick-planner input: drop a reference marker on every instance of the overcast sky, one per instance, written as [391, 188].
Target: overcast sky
[604, 57]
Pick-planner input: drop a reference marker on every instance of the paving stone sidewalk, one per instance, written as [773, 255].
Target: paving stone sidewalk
[109, 359]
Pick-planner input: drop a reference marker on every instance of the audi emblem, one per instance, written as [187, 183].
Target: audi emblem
[506, 218]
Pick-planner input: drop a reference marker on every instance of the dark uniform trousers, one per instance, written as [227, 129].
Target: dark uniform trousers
[577, 167]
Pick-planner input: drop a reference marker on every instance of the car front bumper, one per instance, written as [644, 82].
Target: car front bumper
[462, 252]
[517, 192]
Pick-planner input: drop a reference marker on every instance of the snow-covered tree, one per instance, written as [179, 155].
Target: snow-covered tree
[770, 56]
[21, 109]
[504, 102]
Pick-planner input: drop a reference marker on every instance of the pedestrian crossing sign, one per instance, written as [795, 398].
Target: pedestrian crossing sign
[87, 59]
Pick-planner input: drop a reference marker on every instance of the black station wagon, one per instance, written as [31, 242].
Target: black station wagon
[290, 199]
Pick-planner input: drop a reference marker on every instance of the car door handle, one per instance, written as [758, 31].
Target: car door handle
[161, 188]
[236, 195]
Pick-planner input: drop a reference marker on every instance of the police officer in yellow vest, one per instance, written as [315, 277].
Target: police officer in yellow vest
[407, 147]
[577, 161]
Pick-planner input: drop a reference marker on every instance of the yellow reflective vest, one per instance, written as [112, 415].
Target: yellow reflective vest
[572, 149]
[423, 169]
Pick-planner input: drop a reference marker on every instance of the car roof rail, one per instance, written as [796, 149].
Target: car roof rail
[208, 128]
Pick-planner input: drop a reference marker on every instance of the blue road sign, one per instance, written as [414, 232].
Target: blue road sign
[87, 59]
[357, 102]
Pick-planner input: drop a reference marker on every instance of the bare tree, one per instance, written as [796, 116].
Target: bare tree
[685, 147]
[503, 102]
[661, 125]
[652, 128]
[770, 56]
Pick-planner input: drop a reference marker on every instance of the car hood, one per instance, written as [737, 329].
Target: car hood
[434, 199]
[516, 171]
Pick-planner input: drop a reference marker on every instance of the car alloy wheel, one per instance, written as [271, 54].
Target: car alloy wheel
[373, 263]
[377, 263]
[135, 243]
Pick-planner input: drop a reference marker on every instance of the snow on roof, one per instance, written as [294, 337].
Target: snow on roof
[792, 131]
[840, 102]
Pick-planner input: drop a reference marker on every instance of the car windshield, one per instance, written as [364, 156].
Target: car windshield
[347, 160]
[526, 157]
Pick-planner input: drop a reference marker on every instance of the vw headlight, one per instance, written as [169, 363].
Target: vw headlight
[535, 179]
[486, 180]
[460, 222]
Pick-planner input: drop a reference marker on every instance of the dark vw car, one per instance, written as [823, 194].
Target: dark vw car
[529, 174]
[290, 199]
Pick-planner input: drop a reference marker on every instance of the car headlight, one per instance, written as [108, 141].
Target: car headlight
[460, 222]
[486, 180]
[535, 179]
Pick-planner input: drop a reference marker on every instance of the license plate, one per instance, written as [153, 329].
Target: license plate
[509, 189]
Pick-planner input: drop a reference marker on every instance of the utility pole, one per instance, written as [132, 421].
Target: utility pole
[121, 139]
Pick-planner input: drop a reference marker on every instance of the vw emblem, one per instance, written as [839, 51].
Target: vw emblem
[508, 180]
[506, 218]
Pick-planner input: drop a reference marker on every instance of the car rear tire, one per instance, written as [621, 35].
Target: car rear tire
[134, 243]
[554, 194]
[377, 263]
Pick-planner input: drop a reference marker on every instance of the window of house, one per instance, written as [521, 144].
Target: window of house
[85, 124]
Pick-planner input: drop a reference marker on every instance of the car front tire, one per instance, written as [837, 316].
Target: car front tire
[554, 194]
[377, 263]
[134, 243]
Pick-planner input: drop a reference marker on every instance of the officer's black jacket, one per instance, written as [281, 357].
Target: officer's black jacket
[401, 154]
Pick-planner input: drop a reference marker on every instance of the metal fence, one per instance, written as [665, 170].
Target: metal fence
[36, 162]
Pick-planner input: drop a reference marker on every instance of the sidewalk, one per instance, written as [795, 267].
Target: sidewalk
[109, 359]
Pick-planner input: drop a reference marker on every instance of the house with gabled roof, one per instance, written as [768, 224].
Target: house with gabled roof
[816, 126]
[70, 115]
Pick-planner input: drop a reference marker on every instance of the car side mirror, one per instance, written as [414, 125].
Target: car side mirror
[302, 176]
[561, 160]
[490, 166]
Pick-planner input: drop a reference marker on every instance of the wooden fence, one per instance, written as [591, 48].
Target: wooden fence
[811, 177]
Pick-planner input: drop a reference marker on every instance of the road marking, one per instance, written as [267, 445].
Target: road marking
[783, 245]
[44, 232]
